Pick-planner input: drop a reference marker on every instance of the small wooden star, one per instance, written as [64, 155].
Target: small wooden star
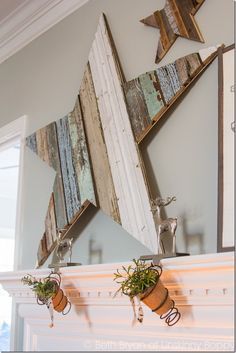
[175, 19]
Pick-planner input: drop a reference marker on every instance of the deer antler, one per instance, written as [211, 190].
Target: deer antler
[162, 202]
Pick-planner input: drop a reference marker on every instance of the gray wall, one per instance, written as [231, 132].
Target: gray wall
[42, 81]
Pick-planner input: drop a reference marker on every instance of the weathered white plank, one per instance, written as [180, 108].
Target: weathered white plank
[124, 156]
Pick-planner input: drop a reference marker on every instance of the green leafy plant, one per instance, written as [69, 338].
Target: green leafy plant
[44, 288]
[136, 279]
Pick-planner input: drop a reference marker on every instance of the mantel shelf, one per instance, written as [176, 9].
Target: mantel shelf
[202, 287]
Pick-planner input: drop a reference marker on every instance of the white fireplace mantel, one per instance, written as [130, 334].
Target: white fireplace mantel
[202, 287]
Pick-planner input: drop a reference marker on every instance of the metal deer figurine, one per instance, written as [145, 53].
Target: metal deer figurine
[63, 245]
[164, 225]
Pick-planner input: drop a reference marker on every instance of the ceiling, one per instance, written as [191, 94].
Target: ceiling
[21, 21]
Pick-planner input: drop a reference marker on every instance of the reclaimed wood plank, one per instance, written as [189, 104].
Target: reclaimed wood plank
[137, 108]
[187, 23]
[31, 142]
[167, 27]
[58, 188]
[71, 189]
[166, 33]
[173, 77]
[193, 62]
[187, 67]
[42, 252]
[151, 91]
[184, 89]
[80, 155]
[169, 81]
[123, 154]
[50, 225]
[175, 19]
[106, 195]
[165, 84]
[44, 144]
[64, 233]
[183, 70]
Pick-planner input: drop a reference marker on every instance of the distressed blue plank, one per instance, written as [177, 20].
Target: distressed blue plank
[71, 189]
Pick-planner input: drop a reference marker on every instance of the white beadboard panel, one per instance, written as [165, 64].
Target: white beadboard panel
[124, 156]
[202, 287]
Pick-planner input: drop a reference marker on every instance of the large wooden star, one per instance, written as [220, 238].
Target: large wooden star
[175, 19]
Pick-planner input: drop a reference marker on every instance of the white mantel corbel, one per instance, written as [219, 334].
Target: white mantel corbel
[202, 287]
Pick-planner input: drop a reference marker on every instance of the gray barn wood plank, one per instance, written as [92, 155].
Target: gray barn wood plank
[165, 84]
[80, 155]
[106, 195]
[138, 113]
[187, 67]
[173, 77]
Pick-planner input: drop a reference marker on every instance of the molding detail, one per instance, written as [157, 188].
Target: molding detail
[30, 20]
[189, 279]
[201, 285]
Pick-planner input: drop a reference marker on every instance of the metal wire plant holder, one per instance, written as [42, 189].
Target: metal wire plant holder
[143, 282]
[48, 292]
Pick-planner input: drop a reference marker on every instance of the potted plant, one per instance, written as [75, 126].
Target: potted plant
[49, 293]
[142, 281]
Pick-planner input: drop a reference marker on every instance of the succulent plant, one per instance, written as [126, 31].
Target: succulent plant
[43, 288]
[136, 279]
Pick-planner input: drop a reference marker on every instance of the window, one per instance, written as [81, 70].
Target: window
[10, 156]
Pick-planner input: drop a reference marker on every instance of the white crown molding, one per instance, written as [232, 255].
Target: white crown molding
[30, 20]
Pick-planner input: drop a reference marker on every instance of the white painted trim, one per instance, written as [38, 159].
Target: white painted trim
[19, 208]
[30, 20]
[201, 285]
[8, 133]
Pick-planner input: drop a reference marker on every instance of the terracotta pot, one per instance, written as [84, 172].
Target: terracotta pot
[59, 301]
[157, 298]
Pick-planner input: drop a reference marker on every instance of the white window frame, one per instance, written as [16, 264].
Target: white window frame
[16, 130]
[8, 133]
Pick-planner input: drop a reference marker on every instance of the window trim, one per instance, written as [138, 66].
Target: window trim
[8, 133]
